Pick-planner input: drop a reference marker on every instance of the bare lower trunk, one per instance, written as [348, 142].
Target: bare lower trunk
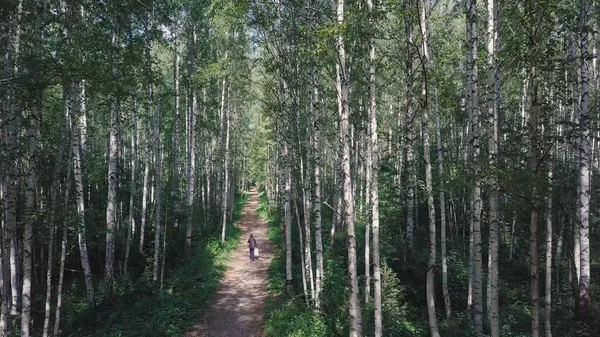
[344, 130]
[226, 170]
[443, 222]
[77, 163]
[287, 176]
[158, 208]
[492, 118]
[132, 189]
[374, 167]
[111, 205]
[548, 281]
[583, 298]
[476, 209]
[317, 191]
[430, 289]
[302, 259]
[63, 258]
[410, 136]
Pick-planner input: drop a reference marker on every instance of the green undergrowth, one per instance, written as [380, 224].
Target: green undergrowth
[284, 316]
[291, 316]
[142, 310]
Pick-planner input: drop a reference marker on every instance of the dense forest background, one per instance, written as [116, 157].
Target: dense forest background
[427, 167]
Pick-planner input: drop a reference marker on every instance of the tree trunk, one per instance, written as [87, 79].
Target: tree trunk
[443, 222]
[548, 283]
[5, 265]
[344, 128]
[63, 250]
[317, 187]
[226, 172]
[492, 156]
[77, 173]
[287, 176]
[54, 215]
[158, 207]
[374, 167]
[132, 189]
[12, 176]
[583, 297]
[111, 205]
[302, 253]
[32, 177]
[430, 288]
[410, 136]
[476, 210]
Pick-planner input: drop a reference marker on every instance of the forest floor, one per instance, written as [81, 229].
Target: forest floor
[237, 309]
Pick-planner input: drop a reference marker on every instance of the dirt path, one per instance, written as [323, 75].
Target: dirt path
[237, 309]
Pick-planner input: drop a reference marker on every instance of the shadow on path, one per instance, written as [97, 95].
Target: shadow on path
[237, 309]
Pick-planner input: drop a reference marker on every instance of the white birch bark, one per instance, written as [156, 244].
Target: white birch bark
[374, 168]
[317, 188]
[410, 136]
[348, 200]
[287, 177]
[12, 176]
[430, 286]
[158, 205]
[492, 117]
[32, 177]
[111, 205]
[583, 298]
[548, 279]
[191, 149]
[78, 175]
[302, 257]
[149, 98]
[226, 172]
[63, 250]
[443, 222]
[476, 210]
[132, 188]
[4, 265]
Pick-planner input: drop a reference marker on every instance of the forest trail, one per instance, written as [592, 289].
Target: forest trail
[237, 309]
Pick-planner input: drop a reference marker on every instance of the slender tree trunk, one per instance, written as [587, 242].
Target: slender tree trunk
[374, 168]
[12, 177]
[344, 130]
[5, 265]
[583, 297]
[287, 176]
[476, 209]
[63, 249]
[302, 253]
[443, 222]
[149, 98]
[369, 211]
[54, 215]
[492, 155]
[430, 289]
[77, 173]
[132, 189]
[158, 207]
[548, 283]
[410, 136]
[111, 206]
[317, 187]
[226, 164]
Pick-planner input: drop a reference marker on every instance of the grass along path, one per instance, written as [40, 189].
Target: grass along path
[141, 311]
[237, 309]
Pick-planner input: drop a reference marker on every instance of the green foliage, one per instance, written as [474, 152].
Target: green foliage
[142, 310]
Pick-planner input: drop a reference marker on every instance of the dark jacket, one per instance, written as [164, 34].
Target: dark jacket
[252, 242]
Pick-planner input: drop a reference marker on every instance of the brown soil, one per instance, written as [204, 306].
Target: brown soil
[237, 309]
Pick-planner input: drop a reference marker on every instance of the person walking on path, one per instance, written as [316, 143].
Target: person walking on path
[252, 246]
